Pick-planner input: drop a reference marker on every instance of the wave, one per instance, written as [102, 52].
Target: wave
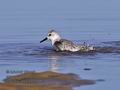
[37, 50]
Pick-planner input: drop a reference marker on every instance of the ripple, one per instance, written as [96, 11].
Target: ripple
[29, 49]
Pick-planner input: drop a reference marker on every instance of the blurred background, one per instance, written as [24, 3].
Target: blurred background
[30, 20]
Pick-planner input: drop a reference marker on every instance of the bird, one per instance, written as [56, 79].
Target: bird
[60, 44]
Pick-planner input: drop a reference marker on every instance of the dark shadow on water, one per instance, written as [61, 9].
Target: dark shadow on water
[107, 49]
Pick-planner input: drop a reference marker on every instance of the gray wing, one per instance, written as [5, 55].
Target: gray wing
[64, 44]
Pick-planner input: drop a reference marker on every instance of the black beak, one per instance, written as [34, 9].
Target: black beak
[43, 40]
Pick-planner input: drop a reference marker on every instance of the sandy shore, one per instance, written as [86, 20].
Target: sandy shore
[43, 81]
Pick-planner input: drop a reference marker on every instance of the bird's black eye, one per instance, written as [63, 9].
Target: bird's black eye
[49, 35]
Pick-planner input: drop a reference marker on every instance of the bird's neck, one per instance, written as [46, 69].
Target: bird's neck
[55, 40]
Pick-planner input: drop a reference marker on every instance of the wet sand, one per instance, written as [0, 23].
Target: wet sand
[44, 81]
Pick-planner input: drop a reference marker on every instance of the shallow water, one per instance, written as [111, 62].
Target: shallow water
[23, 25]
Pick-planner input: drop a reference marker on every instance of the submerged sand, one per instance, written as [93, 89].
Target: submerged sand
[43, 81]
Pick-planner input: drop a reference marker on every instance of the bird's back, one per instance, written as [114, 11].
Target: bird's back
[65, 45]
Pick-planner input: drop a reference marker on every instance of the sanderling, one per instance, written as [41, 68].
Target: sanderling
[65, 45]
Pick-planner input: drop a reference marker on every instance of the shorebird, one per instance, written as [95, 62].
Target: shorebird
[65, 45]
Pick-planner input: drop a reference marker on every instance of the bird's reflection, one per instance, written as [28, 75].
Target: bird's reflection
[53, 63]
